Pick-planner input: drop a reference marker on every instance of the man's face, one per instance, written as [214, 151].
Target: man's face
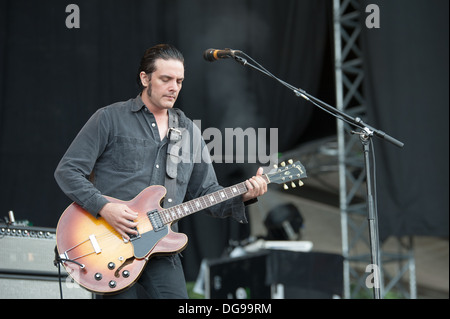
[165, 83]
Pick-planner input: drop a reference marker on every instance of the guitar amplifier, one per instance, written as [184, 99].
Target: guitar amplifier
[26, 265]
[27, 250]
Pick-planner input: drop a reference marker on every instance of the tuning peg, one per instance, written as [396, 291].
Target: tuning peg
[275, 166]
[293, 185]
[283, 164]
[300, 183]
[285, 186]
[291, 162]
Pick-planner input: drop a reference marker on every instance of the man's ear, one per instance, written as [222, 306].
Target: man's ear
[145, 80]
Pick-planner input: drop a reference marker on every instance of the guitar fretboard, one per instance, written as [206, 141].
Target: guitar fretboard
[174, 213]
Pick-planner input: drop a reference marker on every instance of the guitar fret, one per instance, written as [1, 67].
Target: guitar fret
[203, 202]
[206, 202]
[176, 212]
[163, 217]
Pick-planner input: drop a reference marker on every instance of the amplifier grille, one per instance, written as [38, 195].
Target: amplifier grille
[27, 249]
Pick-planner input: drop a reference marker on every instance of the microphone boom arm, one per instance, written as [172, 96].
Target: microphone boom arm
[319, 103]
[365, 137]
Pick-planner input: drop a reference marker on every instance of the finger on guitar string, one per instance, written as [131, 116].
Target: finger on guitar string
[130, 214]
[255, 191]
[262, 185]
[121, 218]
[127, 228]
[256, 186]
[251, 190]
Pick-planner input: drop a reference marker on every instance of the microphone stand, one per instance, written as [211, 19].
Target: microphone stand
[366, 133]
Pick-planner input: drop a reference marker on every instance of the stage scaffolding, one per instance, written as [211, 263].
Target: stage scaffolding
[348, 21]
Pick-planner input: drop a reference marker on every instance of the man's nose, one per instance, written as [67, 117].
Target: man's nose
[174, 86]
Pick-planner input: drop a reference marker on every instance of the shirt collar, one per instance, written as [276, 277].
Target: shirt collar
[137, 104]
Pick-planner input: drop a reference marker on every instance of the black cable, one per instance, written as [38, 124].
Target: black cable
[59, 279]
[57, 262]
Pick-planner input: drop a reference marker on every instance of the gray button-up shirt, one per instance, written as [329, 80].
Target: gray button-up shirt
[119, 152]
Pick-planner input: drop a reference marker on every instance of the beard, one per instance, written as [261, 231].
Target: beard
[149, 90]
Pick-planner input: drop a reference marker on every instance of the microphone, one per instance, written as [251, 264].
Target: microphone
[212, 55]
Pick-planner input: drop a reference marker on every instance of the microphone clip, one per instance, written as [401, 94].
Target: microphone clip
[240, 59]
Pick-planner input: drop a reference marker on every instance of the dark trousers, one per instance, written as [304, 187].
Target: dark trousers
[162, 278]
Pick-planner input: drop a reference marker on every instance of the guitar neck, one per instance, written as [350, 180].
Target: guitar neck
[174, 213]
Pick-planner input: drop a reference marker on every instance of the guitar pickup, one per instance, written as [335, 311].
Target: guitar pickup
[156, 220]
[134, 237]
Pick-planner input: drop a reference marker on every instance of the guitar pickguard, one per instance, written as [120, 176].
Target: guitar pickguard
[147, 241]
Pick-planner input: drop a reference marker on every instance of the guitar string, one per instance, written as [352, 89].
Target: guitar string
[176, 212]
[179, 211]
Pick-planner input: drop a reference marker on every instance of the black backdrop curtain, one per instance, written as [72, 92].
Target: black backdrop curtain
[406, 86]
[53, 78]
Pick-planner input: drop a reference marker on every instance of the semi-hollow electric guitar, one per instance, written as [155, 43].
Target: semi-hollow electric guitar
[99, 259]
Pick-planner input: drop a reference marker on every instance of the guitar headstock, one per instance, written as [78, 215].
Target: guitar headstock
[287, 173]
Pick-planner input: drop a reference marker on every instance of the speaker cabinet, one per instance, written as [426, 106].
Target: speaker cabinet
[27, 270]
[39, 287]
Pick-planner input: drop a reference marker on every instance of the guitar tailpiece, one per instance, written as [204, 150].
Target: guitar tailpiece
[59, 259]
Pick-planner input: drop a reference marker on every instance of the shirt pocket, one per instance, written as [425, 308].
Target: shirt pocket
[128, 153]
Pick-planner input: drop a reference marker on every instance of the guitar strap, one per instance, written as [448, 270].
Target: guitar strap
[178, 140]
[173, 157]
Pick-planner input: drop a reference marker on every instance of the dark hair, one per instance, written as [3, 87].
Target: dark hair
[159, 51]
